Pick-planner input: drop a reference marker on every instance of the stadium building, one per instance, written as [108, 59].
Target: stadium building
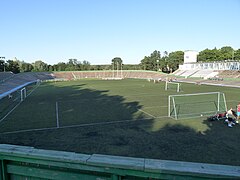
[192, 68]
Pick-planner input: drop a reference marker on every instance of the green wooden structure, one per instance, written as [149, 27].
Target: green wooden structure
[20, 162]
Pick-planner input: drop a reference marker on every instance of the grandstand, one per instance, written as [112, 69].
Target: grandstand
[207, 70]
[5, 76]
[71, 75]
[10, 81]
[229, 74]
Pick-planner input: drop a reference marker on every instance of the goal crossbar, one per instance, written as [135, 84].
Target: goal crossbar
[174, 83]
[189, 104]
[195, 94]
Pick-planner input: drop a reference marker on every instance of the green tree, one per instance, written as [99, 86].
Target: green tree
[226, 53]
[61, 66]
[116, 63]
[40, 66]
[237, 55]
[209, 55]
[85, 65]
[163, 62]
[2, 65]
[151, 62]
[12, 66]
[72, 65]
[146, 63]
[155, 58]
[174, 59]
[50, 68]
[26, 67]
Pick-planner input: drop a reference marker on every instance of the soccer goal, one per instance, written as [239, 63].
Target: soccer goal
[10, 101]
[172, 86]
[195, 105]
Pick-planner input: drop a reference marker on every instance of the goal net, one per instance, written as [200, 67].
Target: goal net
[9, 102]
[172, 86]
[195, 105]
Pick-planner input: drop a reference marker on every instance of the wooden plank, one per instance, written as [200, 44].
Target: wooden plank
[117, 162]
[22, 151]
[4, 175]
[53, 164]
[193, 169]
[108, 166]
[53, 173]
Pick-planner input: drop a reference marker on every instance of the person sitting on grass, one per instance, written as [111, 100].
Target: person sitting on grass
[221, 116]
[218, 116]
[238, 112]
[231, 117]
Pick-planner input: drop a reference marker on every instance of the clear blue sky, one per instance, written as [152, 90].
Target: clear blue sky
[99, 30]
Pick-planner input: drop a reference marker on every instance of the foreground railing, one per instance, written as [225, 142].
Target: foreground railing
[20, 162]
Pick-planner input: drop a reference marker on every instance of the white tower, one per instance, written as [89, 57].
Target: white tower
[190, 56]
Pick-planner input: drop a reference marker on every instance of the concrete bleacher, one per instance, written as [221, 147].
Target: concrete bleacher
[202, 73]
[179, 72]
[5, 75]
[107, 74]
[13, 81]
[188, 73]
[197, 73]
[229, 74]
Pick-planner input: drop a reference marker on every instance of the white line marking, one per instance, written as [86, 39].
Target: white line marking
[72, 126]
[11, 111]
[57, 114]
[33, 90]
[17, 105]
[28, 130]
[160, 117]
[147, 113]
[81, 125]
[149, 107]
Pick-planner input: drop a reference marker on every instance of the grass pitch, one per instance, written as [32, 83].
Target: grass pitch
[127, 117]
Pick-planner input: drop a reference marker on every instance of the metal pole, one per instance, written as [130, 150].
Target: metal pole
[117, 68]
[169, 106]
[224, 99]
[113, 69]
[174, 107]
[121, 71]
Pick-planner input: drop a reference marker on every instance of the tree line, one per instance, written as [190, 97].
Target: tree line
[170, 62]
[156, 61]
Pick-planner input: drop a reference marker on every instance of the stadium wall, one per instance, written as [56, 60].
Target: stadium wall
[71, 75]
[20, 162]
[219, 65]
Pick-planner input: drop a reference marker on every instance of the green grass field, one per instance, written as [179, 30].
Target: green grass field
[127, 118]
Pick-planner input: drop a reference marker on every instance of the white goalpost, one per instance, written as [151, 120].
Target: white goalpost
[172, 85]
[195, 105]
[23, 94]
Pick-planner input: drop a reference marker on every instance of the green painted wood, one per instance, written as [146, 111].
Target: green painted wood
[115, 177]
[52, 174]
[18, 161]
[43, 154]
[187, 168]
[117, 161]
[4, 174]
[1, 172]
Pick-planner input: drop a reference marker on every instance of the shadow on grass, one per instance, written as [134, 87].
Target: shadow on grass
[173, 141]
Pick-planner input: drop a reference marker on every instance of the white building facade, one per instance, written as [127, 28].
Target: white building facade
[190, 63]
